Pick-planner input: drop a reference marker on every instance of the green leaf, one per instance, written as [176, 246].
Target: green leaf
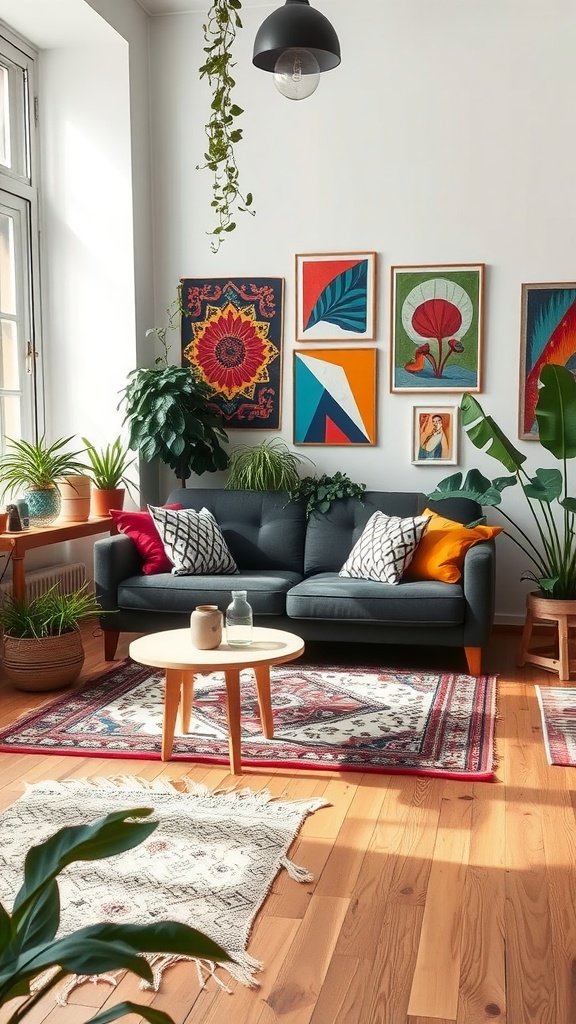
[486, 435]
[545, 485]
[475, 486]
[121, 1009]
[556, 411]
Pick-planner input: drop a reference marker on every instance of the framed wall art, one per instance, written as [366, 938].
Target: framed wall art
[434, 435]
[437, 325]
[336, 296]
[547, 335]
[232, 335]
[335, 396]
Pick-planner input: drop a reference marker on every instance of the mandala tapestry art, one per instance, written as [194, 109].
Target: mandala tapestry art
[233, 336]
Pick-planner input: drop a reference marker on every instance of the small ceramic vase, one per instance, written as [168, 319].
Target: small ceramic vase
[206, 627]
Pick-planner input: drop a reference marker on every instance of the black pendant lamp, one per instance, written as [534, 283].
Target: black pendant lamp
[296, 44]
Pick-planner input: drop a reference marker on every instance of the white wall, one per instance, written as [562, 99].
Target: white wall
[444, 137]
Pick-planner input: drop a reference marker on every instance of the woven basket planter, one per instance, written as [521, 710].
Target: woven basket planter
[47, 664]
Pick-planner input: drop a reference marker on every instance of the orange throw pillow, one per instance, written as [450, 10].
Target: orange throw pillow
[440, 553]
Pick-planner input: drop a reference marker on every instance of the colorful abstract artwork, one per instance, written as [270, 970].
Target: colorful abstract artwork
[437, 325]
[232, 335]
[434, 435]
[335, 296]
[335, 396]
[547, 335]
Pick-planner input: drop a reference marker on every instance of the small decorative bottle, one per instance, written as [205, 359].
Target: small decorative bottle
[239, 620]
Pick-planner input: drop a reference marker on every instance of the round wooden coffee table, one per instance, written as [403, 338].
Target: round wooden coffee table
[173, 651]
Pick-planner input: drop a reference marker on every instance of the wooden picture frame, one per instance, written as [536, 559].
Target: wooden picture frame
[434, 435]
[335, 396]
[547, 335]
[335, 296]
[437, 322]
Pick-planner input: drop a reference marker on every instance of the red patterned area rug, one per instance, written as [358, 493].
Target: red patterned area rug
[333, 718]
[558, 711]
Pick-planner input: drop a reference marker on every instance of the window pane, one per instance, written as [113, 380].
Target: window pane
[9, 375]
[10, 417]
[7, 268]
[5, 157]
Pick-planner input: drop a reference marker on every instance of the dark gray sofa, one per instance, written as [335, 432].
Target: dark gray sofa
[289, 566]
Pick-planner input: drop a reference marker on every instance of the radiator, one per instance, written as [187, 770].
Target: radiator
[70, 577]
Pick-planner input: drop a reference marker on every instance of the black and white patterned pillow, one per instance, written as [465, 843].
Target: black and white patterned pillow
[193, 541]
[385, 548]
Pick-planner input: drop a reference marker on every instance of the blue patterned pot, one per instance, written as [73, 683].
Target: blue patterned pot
[43, 505]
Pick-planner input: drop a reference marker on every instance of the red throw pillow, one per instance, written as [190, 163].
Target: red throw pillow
[139, 526]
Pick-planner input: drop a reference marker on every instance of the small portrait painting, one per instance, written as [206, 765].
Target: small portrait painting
[434, 435]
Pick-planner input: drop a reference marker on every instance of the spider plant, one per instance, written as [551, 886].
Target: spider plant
[28, 943]
[49, 614]
[107, 466]
[269, 466]
[36, 465]
[551, 546]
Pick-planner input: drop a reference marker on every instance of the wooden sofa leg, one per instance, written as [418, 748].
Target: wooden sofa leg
[474, 660]
[110, 644]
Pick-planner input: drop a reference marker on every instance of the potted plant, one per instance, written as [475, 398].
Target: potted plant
[107, 470]
[168, 412]
[29, 947]
[269, 466]
[551, 546]
[34, 468]
[42, 645]
[321, 491]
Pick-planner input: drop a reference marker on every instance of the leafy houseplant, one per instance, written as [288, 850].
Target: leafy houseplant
[35, 467]
[42, 644]
[269, 466]
[223, 20]
[28, 943]
[107, 470]
[552, 549]
[167, 409]
[321, 491]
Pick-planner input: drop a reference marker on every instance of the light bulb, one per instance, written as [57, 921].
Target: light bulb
[296, 73]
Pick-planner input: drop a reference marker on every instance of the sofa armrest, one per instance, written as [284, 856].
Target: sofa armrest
[478, 583]
[115, 559]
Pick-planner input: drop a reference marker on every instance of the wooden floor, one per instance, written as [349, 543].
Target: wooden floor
[434, 902]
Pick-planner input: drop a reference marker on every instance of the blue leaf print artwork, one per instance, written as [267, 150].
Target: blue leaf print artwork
[344, 301]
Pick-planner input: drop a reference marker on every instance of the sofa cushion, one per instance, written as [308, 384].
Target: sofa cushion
[166, 593]
[440, 554]
[384, 548]
[141, 529]
[193, 542]
[328, 596]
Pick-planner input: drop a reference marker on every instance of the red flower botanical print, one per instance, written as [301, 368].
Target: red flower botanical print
[231, 350]
[437, 310]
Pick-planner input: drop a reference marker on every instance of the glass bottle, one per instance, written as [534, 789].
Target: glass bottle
[239, 620]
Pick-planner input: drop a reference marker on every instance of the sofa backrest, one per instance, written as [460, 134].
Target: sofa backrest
[263, 529]
[331, 536]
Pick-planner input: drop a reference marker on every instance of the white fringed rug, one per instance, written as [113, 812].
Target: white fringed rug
[210, 863]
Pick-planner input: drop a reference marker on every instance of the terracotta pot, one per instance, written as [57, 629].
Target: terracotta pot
[103, 501]
[206, 627]
[3, 522]
[75, 494]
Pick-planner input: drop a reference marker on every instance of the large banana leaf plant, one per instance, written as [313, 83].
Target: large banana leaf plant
[28, 944]
[552, 547]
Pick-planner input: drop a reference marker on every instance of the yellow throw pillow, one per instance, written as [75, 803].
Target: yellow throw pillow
[440, 553]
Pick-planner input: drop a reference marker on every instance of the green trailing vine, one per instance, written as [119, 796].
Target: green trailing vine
[222, 131]
[321, 491]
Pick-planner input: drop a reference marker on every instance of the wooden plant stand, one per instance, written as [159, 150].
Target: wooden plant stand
[553, 657]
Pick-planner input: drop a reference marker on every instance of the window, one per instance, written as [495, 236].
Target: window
[19, 243]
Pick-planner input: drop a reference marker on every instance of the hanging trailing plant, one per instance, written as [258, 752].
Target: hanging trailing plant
[222, 130]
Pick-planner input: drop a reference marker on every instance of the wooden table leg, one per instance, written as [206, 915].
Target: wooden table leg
[172, 694]
[18, 577]
[186, 697]
[262, 673]
[232, 676]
